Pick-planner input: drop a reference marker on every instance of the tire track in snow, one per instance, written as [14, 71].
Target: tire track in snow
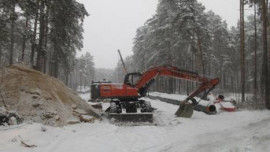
[77, 137]
[237, 139]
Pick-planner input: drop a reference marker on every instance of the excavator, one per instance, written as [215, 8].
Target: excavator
[125, 98]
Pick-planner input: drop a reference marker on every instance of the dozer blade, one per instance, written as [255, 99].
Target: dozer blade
[132, 116]
[185, 110]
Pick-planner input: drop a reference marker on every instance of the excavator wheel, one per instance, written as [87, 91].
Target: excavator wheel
[185, 110]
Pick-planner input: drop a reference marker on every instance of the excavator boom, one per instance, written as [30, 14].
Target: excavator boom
[170, 71]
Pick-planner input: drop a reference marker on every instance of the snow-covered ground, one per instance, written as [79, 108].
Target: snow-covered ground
[241, 131]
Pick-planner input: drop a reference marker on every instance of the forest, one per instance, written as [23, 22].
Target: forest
[183, 34]
[46, 34]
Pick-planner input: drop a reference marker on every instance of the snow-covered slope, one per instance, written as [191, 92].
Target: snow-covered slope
[238, 131]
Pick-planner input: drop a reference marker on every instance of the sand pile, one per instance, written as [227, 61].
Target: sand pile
[40, 98]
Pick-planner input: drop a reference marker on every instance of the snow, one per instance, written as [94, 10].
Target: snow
[169, 96]
[83, 89]
[85, 96]
[227, 105]
[242, 131]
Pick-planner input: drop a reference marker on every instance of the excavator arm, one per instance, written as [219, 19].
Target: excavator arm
[206, 84]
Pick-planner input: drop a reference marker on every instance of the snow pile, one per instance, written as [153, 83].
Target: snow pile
[40, 98]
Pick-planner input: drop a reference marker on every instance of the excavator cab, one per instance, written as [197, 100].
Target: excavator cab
[132, 78]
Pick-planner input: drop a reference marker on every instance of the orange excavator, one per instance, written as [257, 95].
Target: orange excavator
[125, 98]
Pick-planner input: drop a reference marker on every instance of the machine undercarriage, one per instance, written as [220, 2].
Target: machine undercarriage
[138, 110]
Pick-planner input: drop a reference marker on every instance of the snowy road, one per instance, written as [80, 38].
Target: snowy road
[242, 131]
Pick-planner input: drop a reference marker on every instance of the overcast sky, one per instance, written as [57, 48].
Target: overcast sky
[112, 25]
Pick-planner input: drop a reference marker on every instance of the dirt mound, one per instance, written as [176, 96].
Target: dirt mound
[40, 98]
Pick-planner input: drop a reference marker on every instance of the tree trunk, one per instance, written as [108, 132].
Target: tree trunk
[0, 56]
[67, 78]
[170, 85]
[179, 86]
[193, 69]
[267, 92]
[33, 47]
[40, 51]
[255, 52]
[24, 37]
[265, 78]
[80, 82]
[209, 64]
[51, 62]
[188, 88]
[12, 34]
[201, 52]
[55, 72]
[55, 64]
[242, 49]
[46, 39]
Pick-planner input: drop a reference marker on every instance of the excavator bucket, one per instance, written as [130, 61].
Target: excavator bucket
[185, 110]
